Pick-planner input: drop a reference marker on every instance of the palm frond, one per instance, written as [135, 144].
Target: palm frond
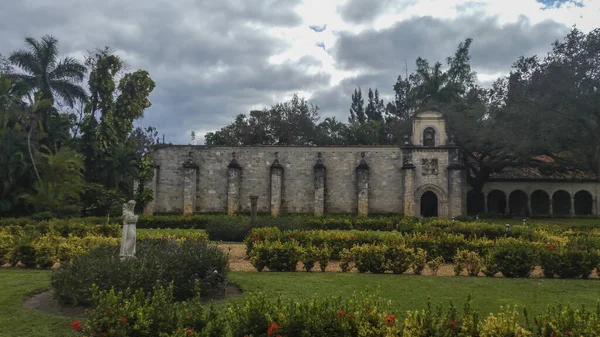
[49, 52]
[25, 60]
[68, 68]
[68, 91]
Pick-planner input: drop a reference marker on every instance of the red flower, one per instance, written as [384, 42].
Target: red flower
[108, 312]
[568, 333]
[103, 334]
[272, 328]
[350, 315]
[246, 336]
[390, 319]
[189, 332]
[341, 312]
[123, 319]
[447, 245]
[76, 325]
[453, 324]
[19, 254]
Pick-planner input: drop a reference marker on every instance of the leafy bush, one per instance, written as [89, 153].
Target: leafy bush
[567, 262]
[435, 264]
[183, 262]
[419, 261]
[323, 256]
[309, 257]
[158, 313]
[228, 228]
[514, 258]
[399, 258]
[276, 256]
[370, 258]
[469, 260]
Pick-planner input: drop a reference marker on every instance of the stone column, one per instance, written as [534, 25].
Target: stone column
[362, 184]
[253, 204]
[189, 185]
[529, 207]
[550, 211]
[153, 185]
[572, 209]
[319, 172]
[485, 203]
[234, 174]
[276, 186]
[456, 184]
[408, 170]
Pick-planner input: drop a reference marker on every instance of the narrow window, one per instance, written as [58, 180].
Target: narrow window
[429, 137]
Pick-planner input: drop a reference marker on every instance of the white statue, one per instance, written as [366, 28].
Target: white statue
[128, 238]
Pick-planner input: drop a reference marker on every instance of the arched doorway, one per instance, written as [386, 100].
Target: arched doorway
[584, 203]
[517, 202]
[540, 203]
[496, 202]
[475, 203]
[429, 204]
[561, 203]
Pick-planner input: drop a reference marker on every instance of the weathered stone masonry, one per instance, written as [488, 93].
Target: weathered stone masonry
[422, 175]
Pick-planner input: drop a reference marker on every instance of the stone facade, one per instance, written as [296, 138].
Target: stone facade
[421, 177]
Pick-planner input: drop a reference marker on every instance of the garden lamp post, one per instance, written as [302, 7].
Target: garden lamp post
[507, 226]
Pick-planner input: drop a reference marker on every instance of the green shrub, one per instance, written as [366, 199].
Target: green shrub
[399, 258]
[435, 264]
[419, 261]
[346, 261]
[276, 256]
[309, 257]
[567, 262]
[514, 258]
[234, 228]
[370, 258]
[323, 256]
[182, 262]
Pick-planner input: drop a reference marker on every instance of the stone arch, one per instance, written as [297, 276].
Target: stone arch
[540, 202]
[475, 203]
[496, 202]
[436, 134]
[442, 199]
[517, 203]
[561, 203]
[583, 202]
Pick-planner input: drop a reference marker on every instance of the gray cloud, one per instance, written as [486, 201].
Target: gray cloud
[209, 59]
[361, 11]
[495, 47]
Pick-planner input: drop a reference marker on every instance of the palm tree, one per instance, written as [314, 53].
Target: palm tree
[48, 75]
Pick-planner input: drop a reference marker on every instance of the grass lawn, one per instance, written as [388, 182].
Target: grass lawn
[15, 320]
[410, 292]
[407, 292]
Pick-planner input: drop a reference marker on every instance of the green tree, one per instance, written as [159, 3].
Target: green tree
[294, 122]
[61, 182]
[357, 109]
[48, 75]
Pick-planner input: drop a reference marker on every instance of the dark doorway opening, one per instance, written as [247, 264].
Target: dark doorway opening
[584, 203]
[475, 203]
[496, 202]
[429, 204]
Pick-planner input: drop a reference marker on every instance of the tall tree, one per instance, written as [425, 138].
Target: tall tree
[48, 75]
[293, 122]
[374, 110]
[357, 110]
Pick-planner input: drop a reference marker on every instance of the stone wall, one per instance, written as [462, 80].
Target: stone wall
[298, 178]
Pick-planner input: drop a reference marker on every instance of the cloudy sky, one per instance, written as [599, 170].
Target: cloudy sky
[214, 59]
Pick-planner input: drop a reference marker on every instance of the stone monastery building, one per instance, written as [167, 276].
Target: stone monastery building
[422, 177]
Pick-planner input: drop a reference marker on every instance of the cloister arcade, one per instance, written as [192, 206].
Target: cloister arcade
[534, 199]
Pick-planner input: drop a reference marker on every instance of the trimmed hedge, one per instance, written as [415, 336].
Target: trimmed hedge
[136, 313]
[191, 263]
